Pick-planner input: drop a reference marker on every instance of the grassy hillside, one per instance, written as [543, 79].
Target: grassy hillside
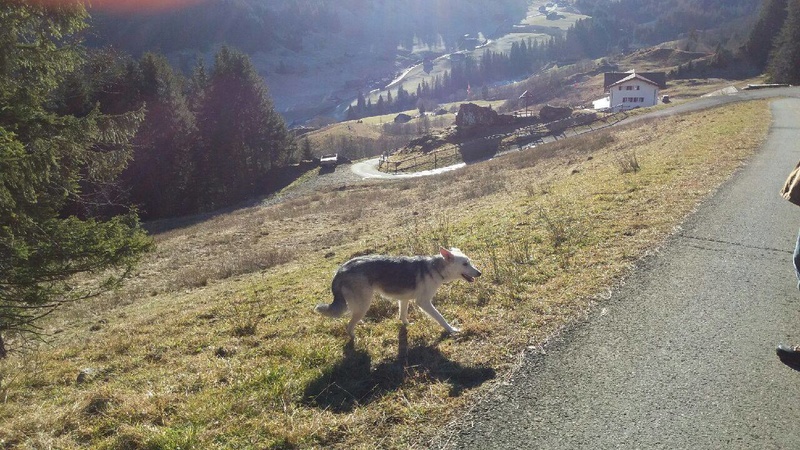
[214, 344]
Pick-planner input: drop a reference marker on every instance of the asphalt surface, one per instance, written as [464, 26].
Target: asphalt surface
[682, 356]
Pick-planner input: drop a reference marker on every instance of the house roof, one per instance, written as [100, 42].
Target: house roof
[634, 76]
[658, 78]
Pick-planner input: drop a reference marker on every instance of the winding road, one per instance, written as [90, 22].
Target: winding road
[369, 170]
[683, 354]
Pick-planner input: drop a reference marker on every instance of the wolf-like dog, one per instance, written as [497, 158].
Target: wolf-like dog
[402, 278]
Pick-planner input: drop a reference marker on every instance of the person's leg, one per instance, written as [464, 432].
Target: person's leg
[790, 354]
[796, 260]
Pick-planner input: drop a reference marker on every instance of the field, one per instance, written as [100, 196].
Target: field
[214, 343]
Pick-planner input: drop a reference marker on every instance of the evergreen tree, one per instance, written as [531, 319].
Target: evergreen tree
[242, 137]
[307, 150]
[161, 168]
[402, 98]
[784, 63]
[762, 36]
[46, 157]
[99, 82]
[198, 83]
[380, 107]
[351, 113]
[361, 105]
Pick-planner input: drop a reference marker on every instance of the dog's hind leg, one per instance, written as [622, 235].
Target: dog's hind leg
[403, 311]
[426, 305]
[358, 302]
[354, 320]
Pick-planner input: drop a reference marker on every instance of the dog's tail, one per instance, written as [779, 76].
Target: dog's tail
[339, 305]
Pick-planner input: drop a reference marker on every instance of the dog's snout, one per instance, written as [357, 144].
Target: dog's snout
[477, 272]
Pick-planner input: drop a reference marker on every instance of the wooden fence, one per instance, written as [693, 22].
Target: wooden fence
[431, 160]
[451, 154]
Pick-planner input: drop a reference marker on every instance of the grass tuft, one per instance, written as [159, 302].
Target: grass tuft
[627, 162]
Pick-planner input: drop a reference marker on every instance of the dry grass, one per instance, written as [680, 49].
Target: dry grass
[214, 344]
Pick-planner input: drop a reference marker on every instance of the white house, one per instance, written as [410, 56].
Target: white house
[633, 91]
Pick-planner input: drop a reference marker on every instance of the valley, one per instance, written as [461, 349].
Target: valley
[212, 341]
[324, 79]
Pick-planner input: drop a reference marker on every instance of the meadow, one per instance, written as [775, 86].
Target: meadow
[213, 343]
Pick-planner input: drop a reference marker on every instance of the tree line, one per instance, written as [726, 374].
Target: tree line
[616, 25]
[257, 25]
[85, 134]
[206, 141]
[523, 58]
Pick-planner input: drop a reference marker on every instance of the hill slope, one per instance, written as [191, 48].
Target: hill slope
[214, 344]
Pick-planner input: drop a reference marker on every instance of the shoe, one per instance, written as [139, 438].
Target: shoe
[789, 355]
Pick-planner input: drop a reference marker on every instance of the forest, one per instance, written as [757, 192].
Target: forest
[253, 25]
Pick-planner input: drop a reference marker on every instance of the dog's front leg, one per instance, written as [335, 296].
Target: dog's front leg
[426, 305]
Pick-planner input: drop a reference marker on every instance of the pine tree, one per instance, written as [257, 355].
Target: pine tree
[307, 150]
[161, 168]
[402, 98]
[380, 107]
[770, 21]
[198, 83]
[242, 137]
[361, 105]
[46, 158]
[784, 63]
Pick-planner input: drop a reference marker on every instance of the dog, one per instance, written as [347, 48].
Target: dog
[402, 278]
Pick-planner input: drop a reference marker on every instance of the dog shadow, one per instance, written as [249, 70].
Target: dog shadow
[353, 381]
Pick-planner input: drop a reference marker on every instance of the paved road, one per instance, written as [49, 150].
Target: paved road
[369, 170]
[682, 356]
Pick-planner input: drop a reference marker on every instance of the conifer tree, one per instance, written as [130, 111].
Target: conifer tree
[45, 160]
[770, 21]
[242, 137]
[361, 105]
[784, 65]
[159, 174]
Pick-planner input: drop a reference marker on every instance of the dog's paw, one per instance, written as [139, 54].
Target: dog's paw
[453, 330]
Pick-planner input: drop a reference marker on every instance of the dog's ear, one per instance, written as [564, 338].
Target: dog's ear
[447, 255]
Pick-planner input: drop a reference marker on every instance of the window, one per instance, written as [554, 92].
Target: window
[632, 99]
